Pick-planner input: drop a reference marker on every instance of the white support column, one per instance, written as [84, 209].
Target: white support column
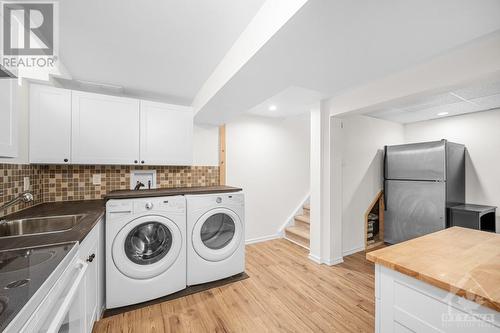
[336, 203]
[315, 178]
[322, 247]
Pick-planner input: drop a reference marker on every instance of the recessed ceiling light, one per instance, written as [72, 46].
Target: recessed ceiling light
[442, 113]
[273, 108]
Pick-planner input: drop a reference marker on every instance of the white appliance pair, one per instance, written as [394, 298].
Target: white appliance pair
[158, 246]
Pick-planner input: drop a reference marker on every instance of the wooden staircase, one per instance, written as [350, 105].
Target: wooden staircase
[299, 232]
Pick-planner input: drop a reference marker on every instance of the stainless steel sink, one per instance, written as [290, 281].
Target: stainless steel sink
[39, 225]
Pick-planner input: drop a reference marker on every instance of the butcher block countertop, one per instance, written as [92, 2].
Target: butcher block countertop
[164, 192]
[463, 261]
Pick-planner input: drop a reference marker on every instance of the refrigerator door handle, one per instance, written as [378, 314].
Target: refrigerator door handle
[385, 194]
[385, 162]
[384, 187]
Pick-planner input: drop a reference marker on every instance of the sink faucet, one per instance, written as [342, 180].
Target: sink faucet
[24, 197]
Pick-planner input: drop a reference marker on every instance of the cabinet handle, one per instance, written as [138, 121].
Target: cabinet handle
[65, 160]
[91, 257]
[135, 161]
[142, 162]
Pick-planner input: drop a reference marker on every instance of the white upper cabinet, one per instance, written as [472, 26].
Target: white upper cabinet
[105, 129]
[87, 128]
[8, 119]
[166, 134]
[50, 130]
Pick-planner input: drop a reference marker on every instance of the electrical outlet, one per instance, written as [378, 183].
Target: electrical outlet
[96, 179]
[26, 185]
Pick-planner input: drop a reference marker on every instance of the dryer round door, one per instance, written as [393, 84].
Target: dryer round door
[217, 234]
[146, 247]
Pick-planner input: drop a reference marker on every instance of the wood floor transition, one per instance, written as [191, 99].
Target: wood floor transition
[285, 292]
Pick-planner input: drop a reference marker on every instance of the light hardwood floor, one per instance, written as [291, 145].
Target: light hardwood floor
[286, 292]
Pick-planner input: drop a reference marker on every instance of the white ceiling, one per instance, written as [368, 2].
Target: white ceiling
[159, 49]
[473, 98]
[290, 102]
[331, 46]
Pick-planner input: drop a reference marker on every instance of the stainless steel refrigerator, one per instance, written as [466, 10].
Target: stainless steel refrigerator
[422, 181]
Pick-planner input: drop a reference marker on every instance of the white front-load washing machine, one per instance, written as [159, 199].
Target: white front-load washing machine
[216, 236]
[145, 249]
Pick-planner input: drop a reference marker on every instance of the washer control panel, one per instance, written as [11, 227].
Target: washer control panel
[117, 208]
[167, 204]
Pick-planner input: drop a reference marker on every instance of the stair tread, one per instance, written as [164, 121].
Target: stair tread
[307, 206]
[303, 218]
[299, 231]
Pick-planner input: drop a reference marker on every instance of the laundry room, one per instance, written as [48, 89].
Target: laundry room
[249, 166]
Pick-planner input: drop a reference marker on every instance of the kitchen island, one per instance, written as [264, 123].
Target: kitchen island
[447, 281]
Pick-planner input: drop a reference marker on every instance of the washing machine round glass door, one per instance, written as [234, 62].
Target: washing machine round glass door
[217, 234]
[147, 246]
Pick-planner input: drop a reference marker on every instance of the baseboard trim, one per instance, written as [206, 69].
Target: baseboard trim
[314, 258]
[263, 238]
[328, 262]
[333, 262]
[352, 251]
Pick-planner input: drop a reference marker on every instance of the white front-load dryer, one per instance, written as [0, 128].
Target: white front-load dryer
[216, 236]
[145, 249]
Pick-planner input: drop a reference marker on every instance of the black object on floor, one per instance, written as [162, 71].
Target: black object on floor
[474, 217]
[185, 292]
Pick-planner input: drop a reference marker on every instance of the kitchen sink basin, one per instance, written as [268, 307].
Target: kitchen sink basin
[38, 225]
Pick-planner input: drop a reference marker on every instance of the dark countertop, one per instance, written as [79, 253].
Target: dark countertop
[93, 209]
[124, 194]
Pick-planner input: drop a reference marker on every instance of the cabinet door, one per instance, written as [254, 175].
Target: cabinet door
[105, 129]
[90, 251]
[166, 134]
[8, 119]
[50, 125]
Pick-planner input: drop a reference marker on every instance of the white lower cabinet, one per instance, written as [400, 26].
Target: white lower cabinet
[405, 304]
[91, 251]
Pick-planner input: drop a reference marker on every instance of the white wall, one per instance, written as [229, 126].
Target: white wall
[269, 159]
[480, 132]
[205, 145]
[363, 140]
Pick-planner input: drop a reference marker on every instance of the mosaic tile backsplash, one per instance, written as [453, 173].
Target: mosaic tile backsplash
[12, 184]
[51, 183]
